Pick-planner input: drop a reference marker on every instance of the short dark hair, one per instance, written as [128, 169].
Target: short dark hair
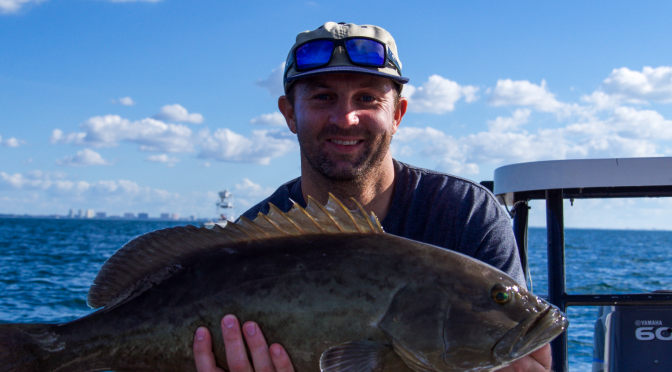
[291, 96]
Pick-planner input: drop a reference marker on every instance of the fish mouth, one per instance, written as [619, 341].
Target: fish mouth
[530, 334]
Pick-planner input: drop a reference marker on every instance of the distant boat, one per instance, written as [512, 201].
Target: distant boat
[225, 209]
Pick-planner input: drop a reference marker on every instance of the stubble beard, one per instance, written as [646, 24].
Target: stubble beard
[343, 169]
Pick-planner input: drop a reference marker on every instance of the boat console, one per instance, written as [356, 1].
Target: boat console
[621, 344]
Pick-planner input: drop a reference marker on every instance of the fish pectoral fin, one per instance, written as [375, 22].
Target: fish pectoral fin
[360, 356]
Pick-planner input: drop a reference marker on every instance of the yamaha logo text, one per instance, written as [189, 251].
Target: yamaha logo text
[648, 323]
[648, 330]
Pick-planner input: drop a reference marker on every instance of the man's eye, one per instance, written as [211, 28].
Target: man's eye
[322, 96]
[368, 98]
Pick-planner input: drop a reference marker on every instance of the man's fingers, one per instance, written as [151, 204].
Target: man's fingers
[281, 359]
[203, 355]
[236, 355]
[261, 358]
[538, 361]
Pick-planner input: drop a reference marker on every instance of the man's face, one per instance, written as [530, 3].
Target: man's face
[344, 123]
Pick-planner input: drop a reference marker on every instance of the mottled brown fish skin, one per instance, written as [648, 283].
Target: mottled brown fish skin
[308, 293]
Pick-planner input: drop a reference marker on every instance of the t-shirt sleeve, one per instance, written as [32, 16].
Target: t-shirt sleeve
[490, 232]
[453, 213]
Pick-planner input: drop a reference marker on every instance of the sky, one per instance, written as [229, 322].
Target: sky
[154, 106]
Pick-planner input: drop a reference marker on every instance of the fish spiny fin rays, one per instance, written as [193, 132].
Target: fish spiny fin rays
[357, 356]
[151, 258]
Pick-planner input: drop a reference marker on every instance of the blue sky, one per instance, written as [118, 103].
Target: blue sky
[154, 106]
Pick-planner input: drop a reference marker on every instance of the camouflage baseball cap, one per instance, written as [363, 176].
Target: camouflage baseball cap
[340, 61]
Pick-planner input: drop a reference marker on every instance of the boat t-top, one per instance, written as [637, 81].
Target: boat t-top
[633, 331]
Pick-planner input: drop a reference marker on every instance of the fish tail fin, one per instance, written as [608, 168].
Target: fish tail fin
[23, 346]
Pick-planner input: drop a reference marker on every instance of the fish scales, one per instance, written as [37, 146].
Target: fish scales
[327, 298]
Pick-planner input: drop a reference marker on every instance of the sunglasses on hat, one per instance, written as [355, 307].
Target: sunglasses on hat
[360, 51]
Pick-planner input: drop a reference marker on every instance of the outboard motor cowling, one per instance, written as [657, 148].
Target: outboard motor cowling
[633, 338]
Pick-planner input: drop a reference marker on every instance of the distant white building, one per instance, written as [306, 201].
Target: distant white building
[90, 213]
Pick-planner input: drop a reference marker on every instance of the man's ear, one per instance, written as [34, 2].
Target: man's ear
[399, 113]
[287, 111]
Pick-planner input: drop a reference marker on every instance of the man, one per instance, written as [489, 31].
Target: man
[342, 99]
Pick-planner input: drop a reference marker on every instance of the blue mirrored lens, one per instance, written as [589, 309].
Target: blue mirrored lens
[366, 52]
[314, 54]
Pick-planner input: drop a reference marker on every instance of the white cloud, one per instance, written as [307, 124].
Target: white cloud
[126, 101]
[465, 155]
[110, 130]
[600, 101]
[651, 84]
[13, 6]
[106, 193]
[11, 142]
[273, 83]
[248, 193]
[438, 95]
[251, 189]
[178, 113]
[156, 136]
[647, 124]
[502, 124]
[625, 132]
[164, 159]
[272, 119]
[31, 180]
[55, 192]
[260, 147]
[629, 123]
[523, 93]
[84, 157]
[449, 153]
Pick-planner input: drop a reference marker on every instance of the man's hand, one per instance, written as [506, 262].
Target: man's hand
[264, 359]
[538, 361]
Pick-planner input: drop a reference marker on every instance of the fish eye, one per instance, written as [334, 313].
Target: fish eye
[501, 294]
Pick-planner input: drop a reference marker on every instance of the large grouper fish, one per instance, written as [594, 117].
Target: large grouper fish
[325, 282]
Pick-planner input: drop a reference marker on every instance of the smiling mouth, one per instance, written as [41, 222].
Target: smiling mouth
[346, 143]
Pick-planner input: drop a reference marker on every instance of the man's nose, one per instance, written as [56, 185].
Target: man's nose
[344, 114]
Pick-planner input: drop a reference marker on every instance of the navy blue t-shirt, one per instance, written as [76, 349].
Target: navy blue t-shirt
[435, 208]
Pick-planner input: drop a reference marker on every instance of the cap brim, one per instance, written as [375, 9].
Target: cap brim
[336, 69]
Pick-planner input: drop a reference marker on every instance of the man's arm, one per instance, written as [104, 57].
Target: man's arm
[264, 359]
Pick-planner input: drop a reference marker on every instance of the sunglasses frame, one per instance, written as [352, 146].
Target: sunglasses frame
[389, 56]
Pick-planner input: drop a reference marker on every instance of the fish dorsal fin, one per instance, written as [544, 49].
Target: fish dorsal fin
[357, 356]
[150, 258]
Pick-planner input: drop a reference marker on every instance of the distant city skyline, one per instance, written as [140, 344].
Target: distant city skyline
[90, 213]
[155, 106]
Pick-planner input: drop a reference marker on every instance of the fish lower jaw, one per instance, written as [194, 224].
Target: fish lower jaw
[542, 332]
[531, 335]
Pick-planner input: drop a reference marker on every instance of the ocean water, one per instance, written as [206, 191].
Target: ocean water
[47, 266]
